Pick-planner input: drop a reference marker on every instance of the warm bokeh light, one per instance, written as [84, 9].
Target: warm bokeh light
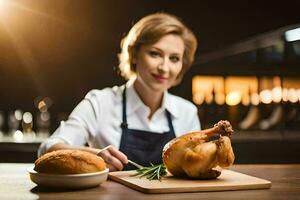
[209, 98]
[245, 85]
[254, 99]
[292, 95]
[277, 94]
[266, 96]
[291, 91]
[240, 89]
[198, 98]
[220, 98]
[246, 99]
[209, 86]
[233, 98]
[214, 88]
[285, 95]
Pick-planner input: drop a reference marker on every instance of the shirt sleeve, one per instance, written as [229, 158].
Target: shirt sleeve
[81, 124]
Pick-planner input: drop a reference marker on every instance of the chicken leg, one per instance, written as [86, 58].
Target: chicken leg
[193, 155]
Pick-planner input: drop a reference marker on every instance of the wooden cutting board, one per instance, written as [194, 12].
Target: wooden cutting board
[228, 180]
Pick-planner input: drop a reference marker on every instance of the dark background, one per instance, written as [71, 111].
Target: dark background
[62, 49]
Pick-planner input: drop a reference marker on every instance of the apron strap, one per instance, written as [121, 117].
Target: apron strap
[124, 124]
[170, 121]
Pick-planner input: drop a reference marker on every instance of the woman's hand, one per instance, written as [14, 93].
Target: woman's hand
[114, 158]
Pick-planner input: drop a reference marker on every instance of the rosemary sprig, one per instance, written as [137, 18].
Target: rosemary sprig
[135, 164]
[153, 172]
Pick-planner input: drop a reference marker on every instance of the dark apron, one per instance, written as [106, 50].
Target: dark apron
[143, 147]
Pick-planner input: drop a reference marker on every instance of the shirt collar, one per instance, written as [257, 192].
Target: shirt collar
[134, 102]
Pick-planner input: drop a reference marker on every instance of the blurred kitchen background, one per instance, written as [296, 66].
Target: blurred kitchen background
[247, 68]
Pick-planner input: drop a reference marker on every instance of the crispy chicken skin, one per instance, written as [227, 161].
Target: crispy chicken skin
[194, 156]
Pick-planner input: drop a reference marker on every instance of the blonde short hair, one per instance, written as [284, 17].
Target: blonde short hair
[149, 30]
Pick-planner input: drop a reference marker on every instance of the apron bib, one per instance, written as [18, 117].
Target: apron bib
[143, 147]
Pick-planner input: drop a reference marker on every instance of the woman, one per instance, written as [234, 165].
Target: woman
[137, 119]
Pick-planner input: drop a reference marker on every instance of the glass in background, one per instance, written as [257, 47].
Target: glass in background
[43, 116]
[14, 121]
[27, 126]
[43, 123]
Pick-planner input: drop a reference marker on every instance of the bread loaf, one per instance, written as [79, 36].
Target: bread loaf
[69, 162]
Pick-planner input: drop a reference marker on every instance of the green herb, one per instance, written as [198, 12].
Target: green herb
[153, 172]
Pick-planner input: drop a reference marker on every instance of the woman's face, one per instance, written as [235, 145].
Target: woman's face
[158, 64]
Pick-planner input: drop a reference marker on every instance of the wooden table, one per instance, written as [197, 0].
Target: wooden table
[16, 184]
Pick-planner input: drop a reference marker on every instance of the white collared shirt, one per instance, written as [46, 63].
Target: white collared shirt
[97, 118]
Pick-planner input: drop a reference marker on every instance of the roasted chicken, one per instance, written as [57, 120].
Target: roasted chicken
[194, 156]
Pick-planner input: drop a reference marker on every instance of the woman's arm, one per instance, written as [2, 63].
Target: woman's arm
[114, 158]
[81, 127]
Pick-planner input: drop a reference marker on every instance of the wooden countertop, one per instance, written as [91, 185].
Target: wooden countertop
[16, 184]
